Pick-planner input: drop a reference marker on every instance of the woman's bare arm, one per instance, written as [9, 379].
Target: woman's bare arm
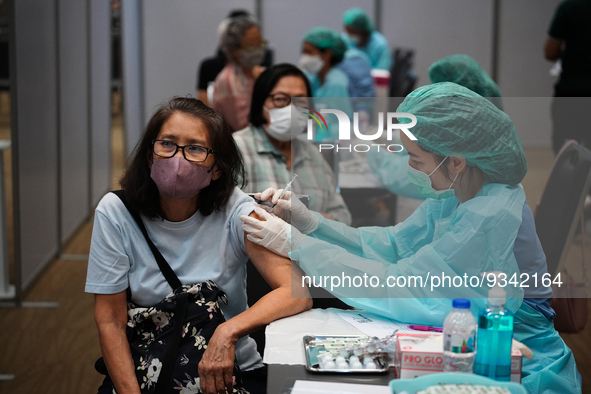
[215, 369]
[110, 315]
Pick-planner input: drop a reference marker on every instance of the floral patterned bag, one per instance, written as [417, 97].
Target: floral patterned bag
[151, 332]
[167, 340]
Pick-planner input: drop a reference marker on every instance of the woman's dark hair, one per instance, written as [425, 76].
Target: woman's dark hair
[141, 191]
[334, 60]
[265, 83]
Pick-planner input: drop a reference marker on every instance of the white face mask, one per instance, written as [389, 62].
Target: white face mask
[355, 39]
[311, 64]
[281, 122]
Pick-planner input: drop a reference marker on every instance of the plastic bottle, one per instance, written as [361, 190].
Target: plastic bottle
[363, 119]
[459, 338]
[495, 336]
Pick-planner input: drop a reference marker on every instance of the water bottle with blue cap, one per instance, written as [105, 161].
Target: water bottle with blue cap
[459, 338]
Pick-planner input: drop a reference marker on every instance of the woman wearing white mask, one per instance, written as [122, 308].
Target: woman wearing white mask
[244, 48]
[271, 156]
[323, 51]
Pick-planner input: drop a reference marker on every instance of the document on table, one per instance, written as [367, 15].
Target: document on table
[315, 387]
[373, 325]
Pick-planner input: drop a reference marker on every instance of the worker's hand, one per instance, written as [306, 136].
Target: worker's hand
[272, 232]
[217, 365]
[290, 209]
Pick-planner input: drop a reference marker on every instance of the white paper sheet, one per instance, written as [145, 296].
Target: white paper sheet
[314, 387]
[372, 324]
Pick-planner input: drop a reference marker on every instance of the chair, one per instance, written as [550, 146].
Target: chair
[402, 79]
[556, 220]
[557, 214]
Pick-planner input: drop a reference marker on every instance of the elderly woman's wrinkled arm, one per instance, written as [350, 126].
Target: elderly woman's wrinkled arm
[110, 315]
[287, 298]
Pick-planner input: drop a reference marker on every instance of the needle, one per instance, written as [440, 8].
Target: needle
[286, 187]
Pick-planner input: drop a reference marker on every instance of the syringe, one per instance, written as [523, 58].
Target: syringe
[286, 188]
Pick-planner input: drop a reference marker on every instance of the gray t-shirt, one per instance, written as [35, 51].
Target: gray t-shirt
[197, 249]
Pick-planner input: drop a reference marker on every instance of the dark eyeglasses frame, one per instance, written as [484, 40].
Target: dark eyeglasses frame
[290, 99]
[182, 148]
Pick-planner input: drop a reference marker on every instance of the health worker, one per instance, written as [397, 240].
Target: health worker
[462, 69]
[468, 161]
[322, 50]
[361, 34]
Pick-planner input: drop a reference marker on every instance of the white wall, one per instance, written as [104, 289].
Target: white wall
[439, 28]
[177, 36]
[36, 141]
[62, 119]
[286, 22]
[100, 99]
[523, 71]
[73, 106]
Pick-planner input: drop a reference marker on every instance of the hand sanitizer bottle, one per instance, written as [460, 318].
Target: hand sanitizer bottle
[495, 335]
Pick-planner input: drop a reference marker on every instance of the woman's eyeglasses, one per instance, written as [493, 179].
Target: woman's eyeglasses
[193, 153]
[281, 100]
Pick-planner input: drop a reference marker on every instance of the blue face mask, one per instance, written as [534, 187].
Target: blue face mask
[423, 183]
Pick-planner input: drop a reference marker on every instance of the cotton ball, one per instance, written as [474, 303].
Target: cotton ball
[330, 365]
[343, 365]
[367, 360]
[339, 359]
[358, 351]
[344, 352]
[327, 357]
[353, 359]
[371, 348]
[356, 365]
[370, 365]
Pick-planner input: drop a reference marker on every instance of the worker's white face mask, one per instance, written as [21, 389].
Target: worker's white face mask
[355, 39]
[423, 183]
[311, 64]
[282, 121]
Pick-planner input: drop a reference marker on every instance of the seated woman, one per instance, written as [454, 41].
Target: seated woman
[271, 154]
[468, 161]
[244, 48]
[183, 182]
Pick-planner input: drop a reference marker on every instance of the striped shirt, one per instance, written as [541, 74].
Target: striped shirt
[266, 167]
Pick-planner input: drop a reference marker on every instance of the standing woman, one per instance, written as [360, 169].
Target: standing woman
[244, 48]
[183, 183]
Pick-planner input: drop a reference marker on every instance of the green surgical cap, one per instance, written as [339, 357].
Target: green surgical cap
[358, 19]
[454, 121]
[325, 38]
[465, 71]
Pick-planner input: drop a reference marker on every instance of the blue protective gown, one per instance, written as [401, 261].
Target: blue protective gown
[358, 69]
[376, 49]
[391, 168]
[443, 236]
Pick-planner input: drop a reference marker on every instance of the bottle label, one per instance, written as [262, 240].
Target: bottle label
[458, 343]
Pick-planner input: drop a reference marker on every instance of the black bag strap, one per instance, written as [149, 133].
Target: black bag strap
[168, 273]
[182, 301]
